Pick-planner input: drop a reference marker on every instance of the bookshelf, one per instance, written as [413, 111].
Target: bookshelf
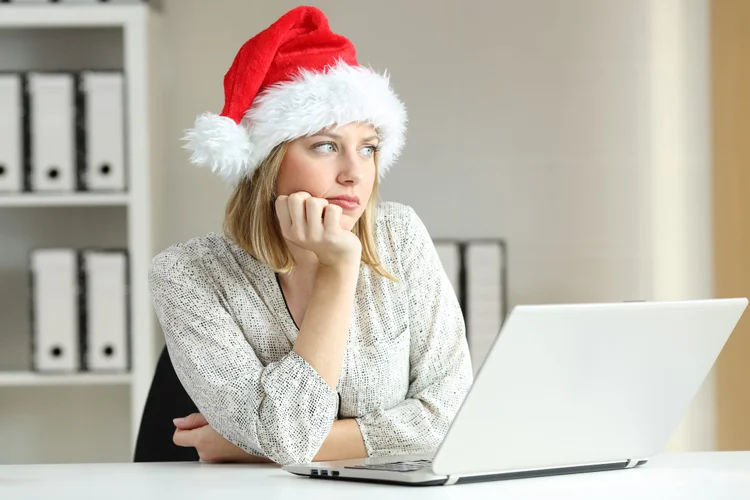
[60, 37]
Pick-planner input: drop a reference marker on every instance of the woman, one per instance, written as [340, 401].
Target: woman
[320, 325]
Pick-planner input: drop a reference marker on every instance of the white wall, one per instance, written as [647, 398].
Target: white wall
[532, 120]
[528, 120]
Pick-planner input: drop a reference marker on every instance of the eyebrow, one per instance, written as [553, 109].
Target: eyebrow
[338, 137]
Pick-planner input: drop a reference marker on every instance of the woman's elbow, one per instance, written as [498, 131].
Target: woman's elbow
[290, 444]
[290, 453]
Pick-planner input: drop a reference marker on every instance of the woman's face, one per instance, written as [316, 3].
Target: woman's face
[337, 164]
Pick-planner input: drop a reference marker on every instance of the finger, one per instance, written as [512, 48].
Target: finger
[332, 218]
[282, 213]
[314, 208]
[192, 421]
[184, 438]
[297, 214]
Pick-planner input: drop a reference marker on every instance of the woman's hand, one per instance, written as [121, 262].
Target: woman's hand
[315, 225]
[194, 431]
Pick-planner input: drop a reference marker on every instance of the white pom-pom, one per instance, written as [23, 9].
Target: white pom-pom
[219, 143]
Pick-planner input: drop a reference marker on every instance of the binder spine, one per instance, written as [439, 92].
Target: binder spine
[11, 155]
[128, 316]
[26, 150]
[80, 132]
[463, 293]
[22, 138]
[125, 135]
[104, 130]
[54, 310]
[462, 287]
[83, 329]
[106, 310]
[33, 323]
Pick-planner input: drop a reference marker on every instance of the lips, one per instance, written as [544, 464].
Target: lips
[345, 202]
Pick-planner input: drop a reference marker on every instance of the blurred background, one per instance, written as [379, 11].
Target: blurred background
[602, 141]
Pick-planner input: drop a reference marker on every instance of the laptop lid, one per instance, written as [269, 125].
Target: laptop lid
[586, 384]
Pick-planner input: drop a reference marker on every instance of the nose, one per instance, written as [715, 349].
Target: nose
[351, 170]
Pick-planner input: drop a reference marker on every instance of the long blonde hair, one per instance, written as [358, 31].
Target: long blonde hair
[250, 219]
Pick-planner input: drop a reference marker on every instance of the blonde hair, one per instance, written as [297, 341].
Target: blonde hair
[250, 219]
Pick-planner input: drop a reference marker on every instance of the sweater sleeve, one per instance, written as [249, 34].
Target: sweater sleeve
[440, 365]
[282, 411]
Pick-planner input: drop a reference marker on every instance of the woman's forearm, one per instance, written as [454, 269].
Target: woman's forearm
[343, 442]
[325, 328]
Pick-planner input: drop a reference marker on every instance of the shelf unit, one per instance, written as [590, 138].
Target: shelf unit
[76, 37]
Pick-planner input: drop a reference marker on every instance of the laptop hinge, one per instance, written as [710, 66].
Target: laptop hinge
[451, 480]
[631, 463]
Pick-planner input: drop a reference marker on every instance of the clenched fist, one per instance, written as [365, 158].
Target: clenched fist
[315, 225]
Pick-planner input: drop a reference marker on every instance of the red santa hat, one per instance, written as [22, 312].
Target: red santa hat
[294, 79]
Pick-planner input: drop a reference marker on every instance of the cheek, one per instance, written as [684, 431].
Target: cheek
[300, 175]
[369, 182]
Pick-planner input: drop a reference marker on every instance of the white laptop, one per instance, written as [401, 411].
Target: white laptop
[568, 389]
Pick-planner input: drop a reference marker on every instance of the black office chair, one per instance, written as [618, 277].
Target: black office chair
[166, 400]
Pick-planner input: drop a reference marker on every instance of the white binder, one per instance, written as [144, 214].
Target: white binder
[105, 311]
[55, 310]
[11, 149]
[103, 131]
[484, 295]
[450, 258]
[52, 116]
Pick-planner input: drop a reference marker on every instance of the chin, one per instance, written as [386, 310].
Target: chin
[348, 222]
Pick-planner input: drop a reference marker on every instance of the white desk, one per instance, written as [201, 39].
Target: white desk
[688, 476]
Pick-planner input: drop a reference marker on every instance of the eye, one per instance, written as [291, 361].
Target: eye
[325, 147]
[369, 150]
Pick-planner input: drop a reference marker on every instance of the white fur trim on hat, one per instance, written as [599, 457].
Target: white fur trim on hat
[218, 142]
[304, 105]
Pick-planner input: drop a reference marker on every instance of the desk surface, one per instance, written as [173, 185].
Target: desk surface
[685, 475]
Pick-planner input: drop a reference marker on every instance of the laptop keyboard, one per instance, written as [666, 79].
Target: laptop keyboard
[407, 466]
